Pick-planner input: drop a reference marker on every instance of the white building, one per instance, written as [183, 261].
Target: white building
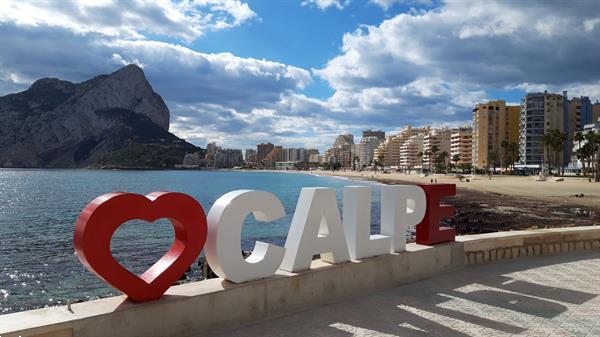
[366, 150]
[575, 164]
[409, 159]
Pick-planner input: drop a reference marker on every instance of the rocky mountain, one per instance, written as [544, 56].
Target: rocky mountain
[113, 120]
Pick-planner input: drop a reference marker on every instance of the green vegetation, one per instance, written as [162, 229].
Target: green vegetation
[142, 156]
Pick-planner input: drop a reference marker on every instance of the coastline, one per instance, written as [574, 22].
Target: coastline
[562, 192]
[505, 203]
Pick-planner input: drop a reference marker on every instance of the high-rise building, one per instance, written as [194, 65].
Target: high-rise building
[342, 151]
[374, 133]
[440, 139]
[366, 150]
[389, 150]
[580, 112]
[461, 145]
[310, 152]
[314, 158]
[596, 112]
[540, 112]
[493, 122]
[576, 113]
[250, 155]
[409, 152]
[228, 158]
[576, 162]
[262, 150]
[289, 154]
[211, 150]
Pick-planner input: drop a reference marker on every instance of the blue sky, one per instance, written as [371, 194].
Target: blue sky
[297, 73]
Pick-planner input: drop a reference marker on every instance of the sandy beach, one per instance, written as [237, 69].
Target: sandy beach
[559, 192]
[506, 202]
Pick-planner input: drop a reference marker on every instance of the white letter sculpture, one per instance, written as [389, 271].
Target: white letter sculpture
[357, 224]
[401, 206]
[316, 229]
[223, 245]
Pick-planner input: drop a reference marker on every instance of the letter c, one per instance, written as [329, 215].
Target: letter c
[223, 245]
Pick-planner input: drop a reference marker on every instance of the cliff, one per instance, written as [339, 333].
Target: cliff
[114, 120]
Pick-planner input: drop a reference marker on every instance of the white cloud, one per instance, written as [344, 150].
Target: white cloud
[186, 20]
[420, 67]
[325, 4]
[387, 4]
[429, 66]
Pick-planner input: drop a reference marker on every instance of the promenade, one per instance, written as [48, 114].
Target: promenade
[541, 296]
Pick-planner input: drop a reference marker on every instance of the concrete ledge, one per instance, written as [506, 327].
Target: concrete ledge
[489, 247]
[205, 307]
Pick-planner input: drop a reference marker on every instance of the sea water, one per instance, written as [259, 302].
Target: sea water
[38, 209]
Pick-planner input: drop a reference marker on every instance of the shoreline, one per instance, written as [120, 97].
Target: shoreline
[562, 192]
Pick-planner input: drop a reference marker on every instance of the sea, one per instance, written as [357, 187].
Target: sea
[38, 210]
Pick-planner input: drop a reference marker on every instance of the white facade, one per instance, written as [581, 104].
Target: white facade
[366, 150]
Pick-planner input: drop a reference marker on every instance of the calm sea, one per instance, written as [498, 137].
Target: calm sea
[38, 209]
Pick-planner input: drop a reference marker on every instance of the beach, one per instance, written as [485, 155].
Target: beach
[502, 203]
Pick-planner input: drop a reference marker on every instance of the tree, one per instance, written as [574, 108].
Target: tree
[558, 142]
[354, 160]
[434, 150]
[592, 153]
[420, 156]
[493, 159]
[553, 143]
[428, 154]
[379, 161]
[440, 162]
[503, 154]
[579, 137]
[513, 149]
[547, 139]
[456, 159]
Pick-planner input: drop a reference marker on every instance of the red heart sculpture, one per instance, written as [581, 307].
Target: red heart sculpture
[100, 219]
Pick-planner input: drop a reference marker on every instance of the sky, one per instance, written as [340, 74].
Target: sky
[298, 73]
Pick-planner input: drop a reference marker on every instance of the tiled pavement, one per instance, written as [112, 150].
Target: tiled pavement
[545, 296]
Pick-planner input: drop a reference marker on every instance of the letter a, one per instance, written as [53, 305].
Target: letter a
[316, 229]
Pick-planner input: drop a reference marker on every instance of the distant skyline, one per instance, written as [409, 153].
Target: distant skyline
[298, 73]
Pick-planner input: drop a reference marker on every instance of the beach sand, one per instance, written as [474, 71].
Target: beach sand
[506, 202]
[549, 190]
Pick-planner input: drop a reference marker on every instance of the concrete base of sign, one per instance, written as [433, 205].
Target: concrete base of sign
[200, 308]
[203, 308]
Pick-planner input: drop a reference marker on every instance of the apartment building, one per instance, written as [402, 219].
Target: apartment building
[493, 122]
[409, 152]
[366, 150]
[461, 145]
[540, 112]
[440, 139]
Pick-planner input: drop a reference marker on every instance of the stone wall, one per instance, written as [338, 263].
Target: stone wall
[490, 247]
[202, 308]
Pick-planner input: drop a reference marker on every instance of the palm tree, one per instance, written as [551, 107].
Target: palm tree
[456, 159]
[593, 153]
[547, 139]
[441, 161]
[513, 149]
[579, 137]
[493, 159]
[434, 150]
[504, 145]
[558, 146]
[354, 160]
[428, 154]
[380, 159]
[420, 156]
